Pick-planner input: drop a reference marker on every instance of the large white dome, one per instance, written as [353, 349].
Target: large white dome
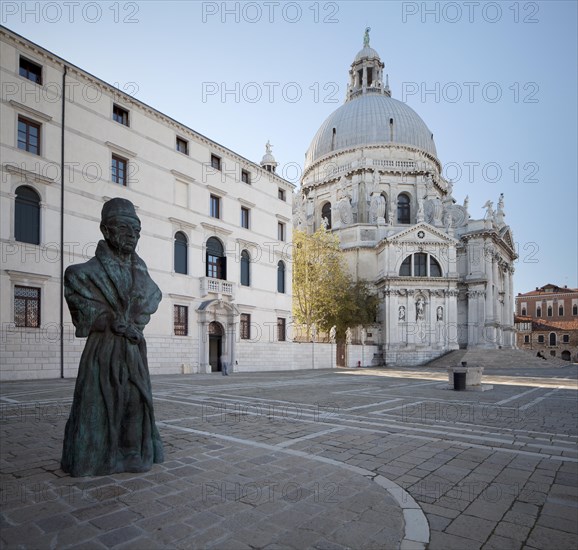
[370, 119]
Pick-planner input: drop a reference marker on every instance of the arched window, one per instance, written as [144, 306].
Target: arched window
[552, 338]
[216, 259]
[523, 311]
[403, 211]
[574, 309]
[326, 213]
[281, 277]
[405, 270]
[538, 311]
[420, 264]
[245, 268]
[181, 253]
[27, 215]
[434, 268]
[550, 311]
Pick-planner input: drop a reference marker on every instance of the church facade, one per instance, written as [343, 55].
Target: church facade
[372, 175]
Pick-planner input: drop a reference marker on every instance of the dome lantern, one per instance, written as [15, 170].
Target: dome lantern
[366, 73]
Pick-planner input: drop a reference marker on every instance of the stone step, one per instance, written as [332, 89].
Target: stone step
[495, 358]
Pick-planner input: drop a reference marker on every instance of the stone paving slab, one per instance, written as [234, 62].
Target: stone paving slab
[366, 458]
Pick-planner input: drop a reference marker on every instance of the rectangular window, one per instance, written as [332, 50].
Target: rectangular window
[244, 217]
[566, 338]
[280, 329]
[28, 135]
[541, 339]
[215, 206]
[245, 177]
[26, 306]
[181, 320]
[216, 162]
[281, 194]
[120, 115]
[30, 70]
[526, 339]
[280, 231]
[182, 146]
[245, 326]
[119, 170]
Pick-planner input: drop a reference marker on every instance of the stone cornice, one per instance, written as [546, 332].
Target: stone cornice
[30, 111]
[184, 177]
[121, 150]
[215, 228]
[182, 223]
[27, 174]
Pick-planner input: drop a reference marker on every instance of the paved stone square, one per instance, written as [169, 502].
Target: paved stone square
[327, 459]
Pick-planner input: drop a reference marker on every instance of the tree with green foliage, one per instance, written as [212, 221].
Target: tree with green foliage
[324, 294]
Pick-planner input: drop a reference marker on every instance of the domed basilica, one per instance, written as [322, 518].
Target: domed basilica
[371, 175]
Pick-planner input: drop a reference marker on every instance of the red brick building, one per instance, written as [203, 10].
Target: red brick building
[547, 321]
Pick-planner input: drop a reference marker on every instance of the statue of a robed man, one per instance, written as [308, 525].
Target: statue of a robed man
[111, 297]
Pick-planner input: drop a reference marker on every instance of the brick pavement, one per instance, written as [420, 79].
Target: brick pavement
[316, 459]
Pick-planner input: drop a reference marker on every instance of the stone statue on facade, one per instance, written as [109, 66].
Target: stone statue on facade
[489, 206]
[348, 336]
[111, 427]
[344, 204]
[420, 216]
[440, 313]
[401, 313]
[420, 309]
[377, 208]
[333, 334]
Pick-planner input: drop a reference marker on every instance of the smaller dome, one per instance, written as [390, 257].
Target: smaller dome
[366, 53]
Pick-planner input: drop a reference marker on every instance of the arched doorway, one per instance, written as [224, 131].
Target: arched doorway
[215, 345]
[566, 355]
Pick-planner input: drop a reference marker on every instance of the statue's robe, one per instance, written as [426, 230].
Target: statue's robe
[111, 427]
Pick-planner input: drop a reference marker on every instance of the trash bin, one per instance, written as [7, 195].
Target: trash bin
[459, 381]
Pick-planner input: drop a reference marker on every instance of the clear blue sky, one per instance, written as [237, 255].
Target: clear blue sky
[495, 82]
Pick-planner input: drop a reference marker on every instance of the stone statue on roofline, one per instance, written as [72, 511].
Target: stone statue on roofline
[111, 427]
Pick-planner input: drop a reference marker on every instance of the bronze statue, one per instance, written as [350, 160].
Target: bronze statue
[111, 297]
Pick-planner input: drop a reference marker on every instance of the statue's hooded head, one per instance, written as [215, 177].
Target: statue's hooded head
[120, 225]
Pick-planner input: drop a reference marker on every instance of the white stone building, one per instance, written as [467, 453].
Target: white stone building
[372, 175]
[216, 226]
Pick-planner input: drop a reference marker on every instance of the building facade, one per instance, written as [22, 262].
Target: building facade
[547, 321]
[215, 226]
[372, 175]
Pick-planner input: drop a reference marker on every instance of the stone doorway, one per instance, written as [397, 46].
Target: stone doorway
[215, 345]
